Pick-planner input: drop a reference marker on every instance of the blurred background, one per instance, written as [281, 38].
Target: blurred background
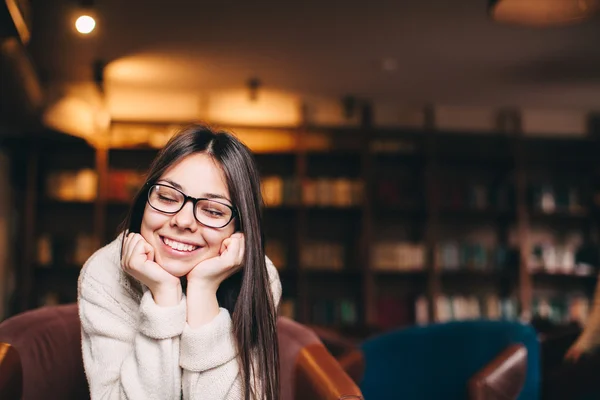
[421, 160]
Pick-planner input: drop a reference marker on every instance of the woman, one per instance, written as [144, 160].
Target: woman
[184, 302]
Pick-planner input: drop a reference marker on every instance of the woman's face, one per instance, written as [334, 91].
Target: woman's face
[180, 242]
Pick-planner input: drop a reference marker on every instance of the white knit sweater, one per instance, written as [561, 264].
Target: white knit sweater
[134, 349]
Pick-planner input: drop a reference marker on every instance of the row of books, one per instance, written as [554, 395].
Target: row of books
[397, 311]
[474, 196]
[70, 185]
[124, 184]
[565, 259]
[398, 256]
[562, 309]
[322, 255]
[550, 198]
[64, 251]
[82, 185]
[453, 255]
[313, 255]
[341, 311]
[491, 306]
[391, 146]
[397, 193]
[323, 192]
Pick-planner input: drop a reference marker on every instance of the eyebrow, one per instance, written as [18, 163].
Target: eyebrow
[204, 195]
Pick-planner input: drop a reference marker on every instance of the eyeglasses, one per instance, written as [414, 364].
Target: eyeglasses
[208, 212]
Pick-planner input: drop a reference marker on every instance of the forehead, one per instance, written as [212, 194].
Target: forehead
[198, 174]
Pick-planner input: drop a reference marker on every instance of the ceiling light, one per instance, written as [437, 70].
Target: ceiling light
[543, 13]
[85, 24]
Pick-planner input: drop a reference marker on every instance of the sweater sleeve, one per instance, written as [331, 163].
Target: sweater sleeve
[209, 355]
[130, 345]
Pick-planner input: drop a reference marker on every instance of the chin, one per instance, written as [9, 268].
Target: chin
[176, 268]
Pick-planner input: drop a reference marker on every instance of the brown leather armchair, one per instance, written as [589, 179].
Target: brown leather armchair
[501, 379]
[40, 357]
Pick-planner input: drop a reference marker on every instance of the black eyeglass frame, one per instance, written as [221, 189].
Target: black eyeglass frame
[194, 200]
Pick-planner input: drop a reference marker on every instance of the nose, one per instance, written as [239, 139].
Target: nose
[185, 219]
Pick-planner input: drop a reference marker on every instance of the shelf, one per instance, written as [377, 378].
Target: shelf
[397, 160]
[281, 209]
[467, 276]
[396, 177]
[57, 276]
[332, 209]
[66, 203]
[560, 215]
[476, 213]
[399, 210]
[400, 274]
[558, 276]
[326, 273]
[119, 203]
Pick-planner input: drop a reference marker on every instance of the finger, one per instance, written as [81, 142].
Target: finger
[572, 355]
[125, 250]
[224, 245]
[241, 251]
[231, 254]
[138, 255]
[149, 250]
[132, 250]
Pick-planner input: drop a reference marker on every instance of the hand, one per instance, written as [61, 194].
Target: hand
[138, 261]
[211, 272]
[575, 352]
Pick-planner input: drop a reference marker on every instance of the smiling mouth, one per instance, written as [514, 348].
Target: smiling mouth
[179, 246]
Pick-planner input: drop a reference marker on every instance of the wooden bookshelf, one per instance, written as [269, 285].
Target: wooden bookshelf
[414, 191]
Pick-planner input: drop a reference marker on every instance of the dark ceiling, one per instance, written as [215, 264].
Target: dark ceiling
[405, 51]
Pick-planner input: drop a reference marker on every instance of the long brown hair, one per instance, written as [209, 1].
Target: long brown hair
[247, 293]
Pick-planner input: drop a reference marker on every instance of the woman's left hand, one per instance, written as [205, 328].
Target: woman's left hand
[211, 272]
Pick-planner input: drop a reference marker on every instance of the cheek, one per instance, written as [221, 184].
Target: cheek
[216, 237]
[151, 221]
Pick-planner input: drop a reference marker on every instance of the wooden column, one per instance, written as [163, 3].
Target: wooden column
[100, 204]
[523, 226]
[369, 304]
[303, 306]
[25, 272]
[432, 227]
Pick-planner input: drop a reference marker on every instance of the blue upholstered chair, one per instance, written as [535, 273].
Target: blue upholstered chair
[439, 360]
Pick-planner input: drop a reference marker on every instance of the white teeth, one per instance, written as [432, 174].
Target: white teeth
[179, 246]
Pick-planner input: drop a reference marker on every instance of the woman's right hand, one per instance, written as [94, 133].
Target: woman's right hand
[138, 261]
[575, 352]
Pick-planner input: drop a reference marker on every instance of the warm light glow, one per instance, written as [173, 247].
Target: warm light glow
[271, 108]
[543, 13]
[85, 24]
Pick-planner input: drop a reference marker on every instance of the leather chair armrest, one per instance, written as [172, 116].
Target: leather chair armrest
[353, 362]
[11, 373]
[337, 344]
[320, 376]
[503, 378]
[345, 350]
